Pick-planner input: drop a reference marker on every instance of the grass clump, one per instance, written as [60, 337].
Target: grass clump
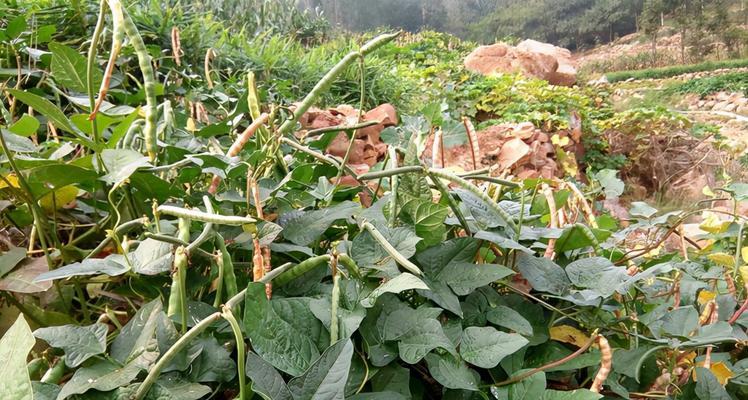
[732, 82]
[667, 72]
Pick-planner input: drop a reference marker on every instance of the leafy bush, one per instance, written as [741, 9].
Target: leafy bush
[732, 82]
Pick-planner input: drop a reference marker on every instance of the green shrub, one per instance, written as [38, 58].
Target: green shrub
[732, 82]
[667, 72]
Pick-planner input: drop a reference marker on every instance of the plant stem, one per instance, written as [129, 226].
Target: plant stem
[120, 230]
[90, 65]
[452, 204]
[207, 228]
[335, 299]
[390, 172]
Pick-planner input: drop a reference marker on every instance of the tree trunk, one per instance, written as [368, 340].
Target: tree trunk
[683, 45]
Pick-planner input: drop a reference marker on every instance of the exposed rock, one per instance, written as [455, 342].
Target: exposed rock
[535, 59]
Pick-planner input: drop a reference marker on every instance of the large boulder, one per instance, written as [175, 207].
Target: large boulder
[530, 58]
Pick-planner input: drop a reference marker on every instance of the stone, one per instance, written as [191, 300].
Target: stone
[534, 59]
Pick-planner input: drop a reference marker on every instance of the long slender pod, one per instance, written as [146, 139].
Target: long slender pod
[149, 79]
[197, 215]
[118, 36]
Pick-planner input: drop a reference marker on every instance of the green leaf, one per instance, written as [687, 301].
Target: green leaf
[579, 394]
[326, 377]
[121, 163]
[78, 342]
[708, 387]
[18, 144]
[303, 228]
[173, 387]
[113, 265]
[530, 388]
[423, 338]
[543, 274]
[402, 282]
[45, 391]
[451, 372]
[440, 293]
[49, 110]
[16, 26]
[392, 378]
[464, 277]
[485, 347]
[679, 322]
[10, 259]
[612, 186]
[368, 253]
[508, 318]
[104, 376]
[349, 320]
[598, 274]
[426, 218]
[574, 238]
[47, 178]
[135, 338]
[265, 379]
[22, 279]
[152, 257]
[166, 336]
[280, 343]
[69, 68]
[629, 362]
[25, 126]
[214, 364]
[14, 348]
[641, 209]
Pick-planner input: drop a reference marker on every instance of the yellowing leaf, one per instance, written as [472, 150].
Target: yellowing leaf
[58, 198]
[191, 125]
[744, 253]
[707, 191]
[706, 296]
[713, 224]
[722, 259]
[722, 372]
[744, 274]
[569, 334]
[12, 179]
[560, 141]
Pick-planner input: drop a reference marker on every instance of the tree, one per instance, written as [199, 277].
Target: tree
[650, 21]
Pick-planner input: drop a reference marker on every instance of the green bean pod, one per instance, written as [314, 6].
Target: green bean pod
[300, 269]
[227, 266]
[587, 232]
[55, 374]
[335, 301]
[197, 215]
[350, 265]
[219, 282]
[178, 294]
[149, 80]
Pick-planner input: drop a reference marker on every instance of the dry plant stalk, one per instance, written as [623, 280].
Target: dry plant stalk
[606, 361]
[548, 193]
[209, 55]
[239, 145]
[176, 45]
[588, 213]
[261, 259]
[437, 150]
[472, 140]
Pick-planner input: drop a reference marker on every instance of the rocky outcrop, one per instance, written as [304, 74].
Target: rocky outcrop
[530, 58]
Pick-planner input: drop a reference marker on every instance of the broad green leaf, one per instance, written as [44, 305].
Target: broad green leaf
[47, 178]
[16, 26]
[135, 338]
[18, 144]
[641, 209]
[121, 163]
[348, 320]
[574, 238]
[325, 379]
[423, 338]
[679, 322]
[402, 282]
[427, 218]
[10, 259]
[277, 341]
[113, 265]
[78, 342]
[368, 253]
[543, 274]
[629, 362]
[708, 387]
[392, 378]
[451, 372]
[265, 379]
[25, 126]
[579, 394]
[501, 241]
[485, 347]
[14, 348]
[22, 279]
[483, 215]
[49, 110]
[303, 228]
[437, 259]
[464, 277]
[152, 257]
[739, 191]
[103, 376]
[69, 68]
[214, 364]
[166, 336]
[530, 388]
[508, 318]
[612, 186]
[45, 391]
[599, 274]
[173, 387]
